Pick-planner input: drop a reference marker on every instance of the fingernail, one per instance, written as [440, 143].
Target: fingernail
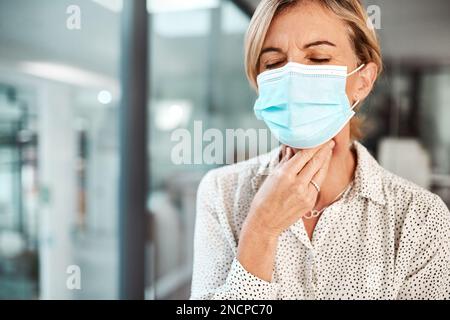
[332, 144]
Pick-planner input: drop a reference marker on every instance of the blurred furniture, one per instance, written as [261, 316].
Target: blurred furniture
[170, 247]
[406, 158]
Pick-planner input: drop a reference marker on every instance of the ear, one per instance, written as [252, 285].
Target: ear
[365, 79]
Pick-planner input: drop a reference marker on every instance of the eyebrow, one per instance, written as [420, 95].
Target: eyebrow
[306, 46]
[319, 43]
[270, 49]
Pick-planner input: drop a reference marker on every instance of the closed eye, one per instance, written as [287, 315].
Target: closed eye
[274, 65]
[314, 60]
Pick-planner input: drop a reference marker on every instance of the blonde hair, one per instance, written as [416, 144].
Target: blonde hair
[363, 38]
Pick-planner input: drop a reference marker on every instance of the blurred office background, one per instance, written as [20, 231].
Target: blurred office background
[60, 92]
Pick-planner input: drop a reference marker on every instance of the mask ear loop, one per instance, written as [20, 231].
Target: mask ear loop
[351, 73]
[355, 104]
[356, 70]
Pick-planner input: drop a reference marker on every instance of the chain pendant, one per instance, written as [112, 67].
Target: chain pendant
[312, 214]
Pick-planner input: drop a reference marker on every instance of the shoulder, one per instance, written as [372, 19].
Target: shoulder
[403, 190]
[401, 198]
[230, 177]
[389, 188]
[413, 203]
[408, 192]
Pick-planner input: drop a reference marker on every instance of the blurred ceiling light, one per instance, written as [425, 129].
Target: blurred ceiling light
[113, 5]
[67, 74]
[172, 114]
[180, 5]
[104, 97]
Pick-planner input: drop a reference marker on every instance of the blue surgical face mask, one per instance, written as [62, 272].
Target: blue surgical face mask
[304, 106]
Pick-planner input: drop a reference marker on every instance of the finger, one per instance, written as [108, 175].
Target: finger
[302, 157]
[320, 175]
[287, 155]
[314, 165]
[299, 159]
[289, 152]
[283, 160]
[283, 151]
[281, 156]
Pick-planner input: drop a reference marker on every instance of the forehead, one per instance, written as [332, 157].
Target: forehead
[305, 22]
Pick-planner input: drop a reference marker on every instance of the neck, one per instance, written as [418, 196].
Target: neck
[340, 174]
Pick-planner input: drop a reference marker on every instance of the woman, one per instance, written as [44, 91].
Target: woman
[317, 218]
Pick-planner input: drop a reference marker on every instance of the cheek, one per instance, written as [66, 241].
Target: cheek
[350, 88]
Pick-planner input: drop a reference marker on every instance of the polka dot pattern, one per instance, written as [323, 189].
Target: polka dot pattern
[386, 238]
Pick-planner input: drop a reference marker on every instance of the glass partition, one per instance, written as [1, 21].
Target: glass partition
[197, 83]
[58, 149]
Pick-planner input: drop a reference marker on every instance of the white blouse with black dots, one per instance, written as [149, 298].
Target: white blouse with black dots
[386, 238]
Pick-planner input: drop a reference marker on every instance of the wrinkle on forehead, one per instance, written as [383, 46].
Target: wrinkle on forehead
[305, 22]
